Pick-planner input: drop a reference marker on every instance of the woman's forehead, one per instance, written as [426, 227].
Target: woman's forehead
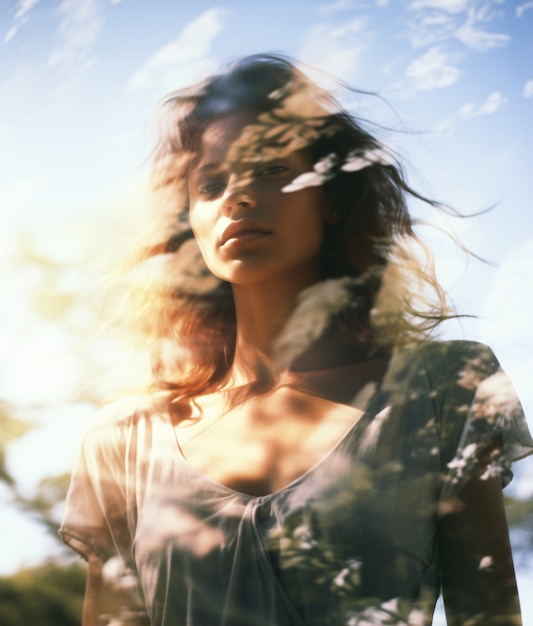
[220, 135]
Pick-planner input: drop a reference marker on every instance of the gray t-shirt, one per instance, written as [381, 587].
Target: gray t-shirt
[351, 541]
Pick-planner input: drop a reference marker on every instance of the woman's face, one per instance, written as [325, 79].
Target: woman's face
[249, 230]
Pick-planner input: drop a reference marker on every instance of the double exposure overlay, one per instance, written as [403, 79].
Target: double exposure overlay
[308, 452]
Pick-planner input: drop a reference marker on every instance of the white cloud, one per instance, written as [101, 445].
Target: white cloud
[337, 50]
[436, 21]
[431, 28]
[11, 33]
[432, 71]
[79, 28]
[21, 16]
[24, 6]
[528, 89]
[440, 20]
[479, 40]
[492, 104]
[450, 6]
[349, 31]
[338, 5]
[445, 126]
[391, 66]
[476, 38]
[520, 10]
[183, 60]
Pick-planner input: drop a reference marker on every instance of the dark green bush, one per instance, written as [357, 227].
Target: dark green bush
[47, 595]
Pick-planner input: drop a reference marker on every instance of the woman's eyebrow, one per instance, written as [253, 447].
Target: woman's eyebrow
[206, 167]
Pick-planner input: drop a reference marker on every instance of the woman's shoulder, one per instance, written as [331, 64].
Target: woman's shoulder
[450, 375]
[117, 426]
[122, 412]
[458, 348]
[442, 365]
[466, 363]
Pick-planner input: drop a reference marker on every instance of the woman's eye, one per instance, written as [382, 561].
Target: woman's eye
[208, 189]
[272, 170]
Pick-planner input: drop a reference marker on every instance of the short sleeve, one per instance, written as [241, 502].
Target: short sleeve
[474, 403]
[95, 517]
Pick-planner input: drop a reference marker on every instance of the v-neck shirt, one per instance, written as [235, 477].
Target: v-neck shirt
[354, 537]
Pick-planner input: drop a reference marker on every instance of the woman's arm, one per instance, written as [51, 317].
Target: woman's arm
[93, 591]
[478, 578]
[106, 603]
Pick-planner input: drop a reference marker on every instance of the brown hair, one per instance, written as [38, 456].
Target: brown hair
[188, 314]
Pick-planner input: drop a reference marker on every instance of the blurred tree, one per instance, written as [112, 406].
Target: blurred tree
[48, 595]
[50, 492]
[10, 428]
[51, 594]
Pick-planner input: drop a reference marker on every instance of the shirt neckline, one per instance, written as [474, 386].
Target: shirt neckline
[364, 417]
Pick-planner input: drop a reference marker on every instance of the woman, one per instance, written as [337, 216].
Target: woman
[306, 455]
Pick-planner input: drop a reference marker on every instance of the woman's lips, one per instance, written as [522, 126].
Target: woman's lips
[243, 231]
[246, 236]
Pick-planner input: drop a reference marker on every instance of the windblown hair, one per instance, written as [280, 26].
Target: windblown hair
[186, 313]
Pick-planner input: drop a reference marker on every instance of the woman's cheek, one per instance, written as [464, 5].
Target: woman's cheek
[209, 253]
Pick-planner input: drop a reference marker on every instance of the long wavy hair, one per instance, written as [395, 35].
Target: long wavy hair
[187, 314]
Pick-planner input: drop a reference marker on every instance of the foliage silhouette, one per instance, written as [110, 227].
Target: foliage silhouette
[48, 595]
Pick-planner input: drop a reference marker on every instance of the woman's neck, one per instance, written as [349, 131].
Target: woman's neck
[283, 333]
[261, 312]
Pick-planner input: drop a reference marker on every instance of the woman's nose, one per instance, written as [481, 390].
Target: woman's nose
[238, 195]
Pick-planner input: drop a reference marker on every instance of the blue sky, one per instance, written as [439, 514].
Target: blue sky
[79, 80]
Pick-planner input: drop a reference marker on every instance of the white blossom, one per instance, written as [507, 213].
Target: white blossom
[325, 165]
[340, 578]
[486, 562]
[492, 470]
[307, 179]
[361, 159]
[459, 462]
[417, 618]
